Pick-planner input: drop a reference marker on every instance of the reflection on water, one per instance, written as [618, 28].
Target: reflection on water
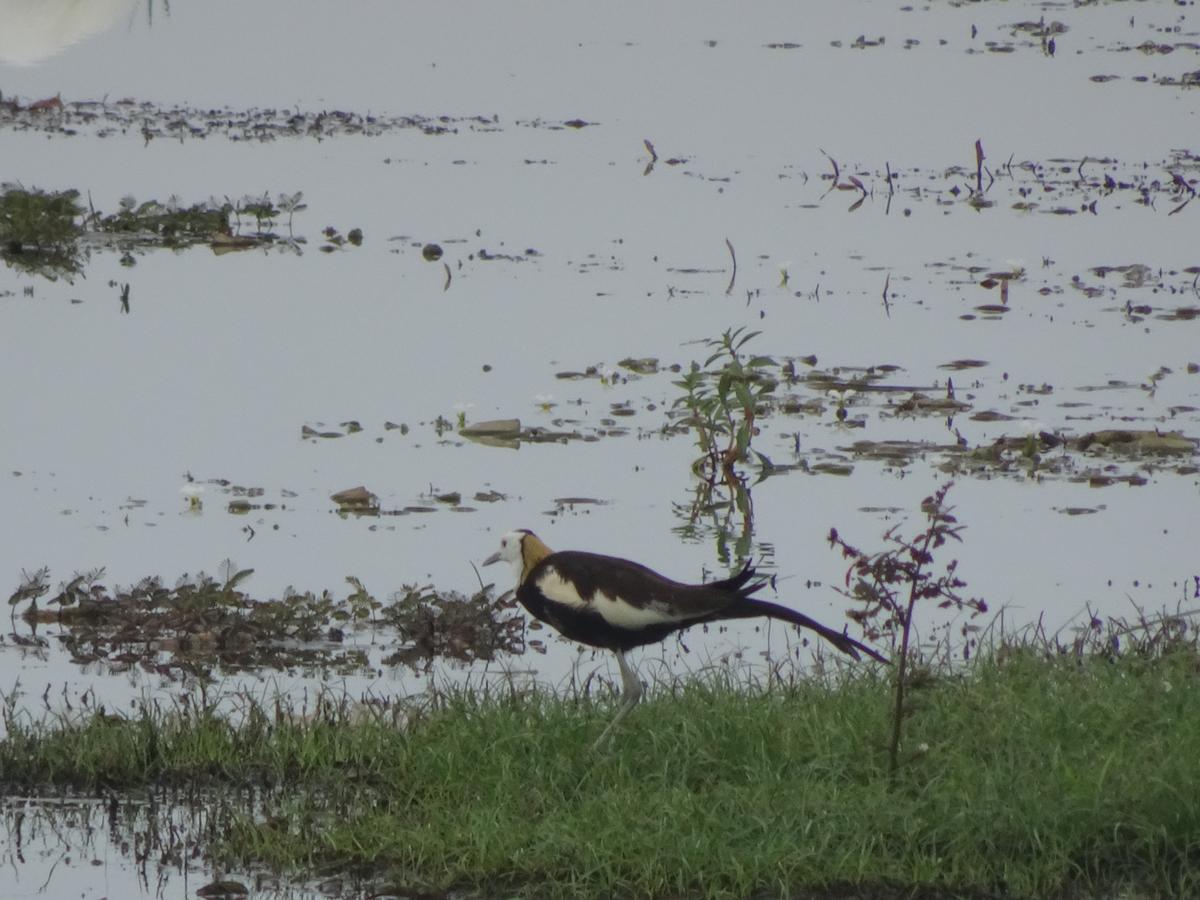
[83, 846]
[140, 845]
[1010, 304]
[35, 30]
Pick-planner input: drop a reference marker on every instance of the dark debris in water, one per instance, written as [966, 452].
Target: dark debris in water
[150, 121]
[356, 498]
[1090, 186]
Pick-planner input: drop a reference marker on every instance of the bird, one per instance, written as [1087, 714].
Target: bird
[617, 604]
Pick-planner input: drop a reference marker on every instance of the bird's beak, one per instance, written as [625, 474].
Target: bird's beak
[494, 558]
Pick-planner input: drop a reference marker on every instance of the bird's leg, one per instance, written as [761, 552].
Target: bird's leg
[631, 693]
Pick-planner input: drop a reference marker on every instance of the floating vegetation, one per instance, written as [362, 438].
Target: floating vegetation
[204, 627]
[1125, 441]
[1003, 441]
[39, 230]
[170, 223]
[50, 234]
[450, 625]
[150, 121]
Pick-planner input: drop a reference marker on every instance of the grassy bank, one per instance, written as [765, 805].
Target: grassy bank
[1030, 778]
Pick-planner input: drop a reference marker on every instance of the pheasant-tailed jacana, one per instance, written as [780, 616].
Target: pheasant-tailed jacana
[608, 602]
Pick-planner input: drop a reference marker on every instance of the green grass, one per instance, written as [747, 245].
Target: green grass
[1030, 778]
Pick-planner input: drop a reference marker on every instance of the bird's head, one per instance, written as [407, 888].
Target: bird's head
[523, 549]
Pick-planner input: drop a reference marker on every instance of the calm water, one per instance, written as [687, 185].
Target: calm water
[222, 360]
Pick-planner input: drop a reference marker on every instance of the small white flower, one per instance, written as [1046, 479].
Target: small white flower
[545, 402]
[1016, 266]
[192, 494]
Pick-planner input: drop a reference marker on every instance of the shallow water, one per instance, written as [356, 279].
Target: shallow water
[222, 360]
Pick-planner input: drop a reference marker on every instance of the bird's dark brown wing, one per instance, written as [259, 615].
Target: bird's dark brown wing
[631, 599]
[626, 593]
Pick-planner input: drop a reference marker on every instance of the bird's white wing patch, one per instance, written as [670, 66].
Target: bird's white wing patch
[615, 610]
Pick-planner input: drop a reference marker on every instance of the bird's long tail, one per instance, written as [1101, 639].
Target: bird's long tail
[748, 607]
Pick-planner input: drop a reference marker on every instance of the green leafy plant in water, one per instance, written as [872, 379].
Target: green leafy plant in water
[262, 209]
[39, 230]
[722, 397]
[361, 606]
[173, 222]
[204, 625]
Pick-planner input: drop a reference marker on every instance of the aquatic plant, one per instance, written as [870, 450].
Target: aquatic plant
[722, 397]
[170, 223]
[205, 627]
[39, 230]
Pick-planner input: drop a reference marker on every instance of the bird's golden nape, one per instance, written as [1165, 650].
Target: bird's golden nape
[533, 551]
[617, 604]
